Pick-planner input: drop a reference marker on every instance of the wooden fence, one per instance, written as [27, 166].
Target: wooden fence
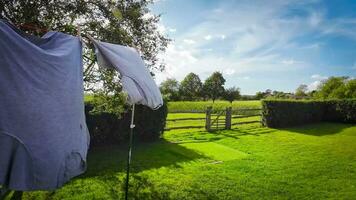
[218, 119]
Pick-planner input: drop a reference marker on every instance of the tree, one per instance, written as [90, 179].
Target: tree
[301, 91]
[259, 95]
[190, 87]
[170, 89]
[125, 22]
[232, 94]
[334, 87]
[262, 95]
[350, 89]
[214, 86]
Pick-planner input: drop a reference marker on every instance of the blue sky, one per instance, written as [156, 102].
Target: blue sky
[259, 45]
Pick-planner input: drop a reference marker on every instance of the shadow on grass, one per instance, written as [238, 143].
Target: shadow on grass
[112, 159]
[319, 129]
[204, 136]
[236, 132]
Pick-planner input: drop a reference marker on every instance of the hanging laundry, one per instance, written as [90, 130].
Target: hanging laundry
[135, 77]
[43, 133]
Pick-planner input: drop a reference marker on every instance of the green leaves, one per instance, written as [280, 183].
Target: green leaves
[117, 13]
[114, 21]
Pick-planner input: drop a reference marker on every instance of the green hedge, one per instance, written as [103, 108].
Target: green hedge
[284, 113]
[340, 111]
[106, 128]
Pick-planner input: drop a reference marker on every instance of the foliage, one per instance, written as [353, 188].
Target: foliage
[214, 86]
[232, 94]
[111, 104]
[283, 113]
[350, 88]
[125, 22]
[107, 127]
[170, 89]
[336, 88]
[301, 91]
[229, 165]
[190, 87]
[269, 94]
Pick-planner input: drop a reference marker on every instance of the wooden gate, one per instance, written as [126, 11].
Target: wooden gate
[219, 120]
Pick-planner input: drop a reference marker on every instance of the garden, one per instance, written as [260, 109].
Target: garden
[218, 100]
[249, 161]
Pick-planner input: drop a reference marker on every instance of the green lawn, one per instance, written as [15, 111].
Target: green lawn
[251, 162]
[185, 106]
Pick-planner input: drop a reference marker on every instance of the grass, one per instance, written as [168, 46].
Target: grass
[250, 162]
[200, 106]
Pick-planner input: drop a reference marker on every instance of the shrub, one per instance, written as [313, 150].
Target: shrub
[109, 128]
[284, 113]
[340, 111]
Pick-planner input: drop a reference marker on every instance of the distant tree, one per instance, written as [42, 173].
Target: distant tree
[232, 94]
[301, 91]
[265, 94]
[268, 92]
[170, 89]
[191, 87]
[281, 95]
[334, 87]
[259, 95]
[214, 86]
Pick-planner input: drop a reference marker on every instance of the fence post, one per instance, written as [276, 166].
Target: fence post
[208, 119]
[228, 118]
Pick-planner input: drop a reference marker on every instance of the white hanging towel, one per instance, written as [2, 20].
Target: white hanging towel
[135, 77]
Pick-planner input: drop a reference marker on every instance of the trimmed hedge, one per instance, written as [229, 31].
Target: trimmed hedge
[106, 128]
[284, 113]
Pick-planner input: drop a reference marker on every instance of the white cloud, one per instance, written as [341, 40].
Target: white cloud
[318, 77]
[148, 16]
[208, 37]
[223, 37]
[161, 28]
[229, 72]
[172, 30]
[340, 26]
[290, 61]
[314, 85]
[189, 41]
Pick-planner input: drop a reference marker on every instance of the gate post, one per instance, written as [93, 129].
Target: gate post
[228, 118]
[208, 119]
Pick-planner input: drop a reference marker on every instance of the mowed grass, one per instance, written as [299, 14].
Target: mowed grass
[200, 106]
[249, 162]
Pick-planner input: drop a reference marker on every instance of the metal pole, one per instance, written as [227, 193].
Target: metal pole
[132, 126]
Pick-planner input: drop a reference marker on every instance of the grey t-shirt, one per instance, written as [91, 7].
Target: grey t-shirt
[43, 133]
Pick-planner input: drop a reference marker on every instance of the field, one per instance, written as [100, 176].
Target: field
[250, 162]
[200, 106]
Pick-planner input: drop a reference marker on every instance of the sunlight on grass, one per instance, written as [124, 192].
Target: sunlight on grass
[250, 162]
[215, 151]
